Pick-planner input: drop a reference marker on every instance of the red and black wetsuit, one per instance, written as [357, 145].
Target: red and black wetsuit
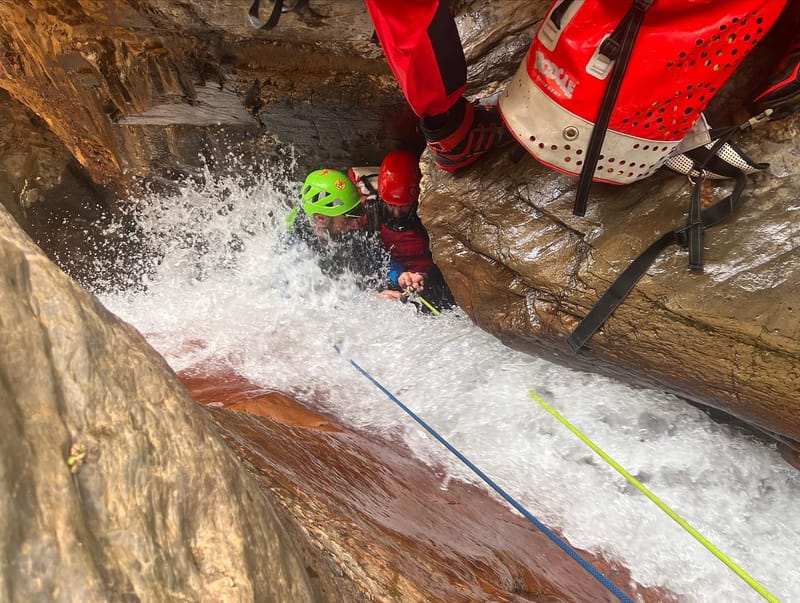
[408, 245]
[422, 46]
[405, 239]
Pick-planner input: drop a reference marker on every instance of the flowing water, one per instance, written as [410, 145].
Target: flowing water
[221, 287]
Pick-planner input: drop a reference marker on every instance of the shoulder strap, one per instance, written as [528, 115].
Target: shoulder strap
[368, 180]
[722, 159]
[625, 282]
[558, 12]
[618, 48]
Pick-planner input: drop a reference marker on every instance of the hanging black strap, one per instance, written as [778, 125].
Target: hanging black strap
[366, 180]
[256, 21]
[618, 47]
[695, 228]
[625, 282]
[705, 159]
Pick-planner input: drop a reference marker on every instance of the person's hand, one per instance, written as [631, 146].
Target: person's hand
[413, 280]
[392, 295]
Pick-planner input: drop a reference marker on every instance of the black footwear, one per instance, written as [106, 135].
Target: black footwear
[784, 89]
[464, 134]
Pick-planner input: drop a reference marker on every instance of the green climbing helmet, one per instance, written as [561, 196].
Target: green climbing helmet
[329, 193]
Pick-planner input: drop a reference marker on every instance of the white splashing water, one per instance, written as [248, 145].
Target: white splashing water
[227, 291]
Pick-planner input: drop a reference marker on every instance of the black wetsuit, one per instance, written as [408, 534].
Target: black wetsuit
[357, 252]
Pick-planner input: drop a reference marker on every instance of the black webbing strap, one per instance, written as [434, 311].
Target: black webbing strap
[366, 180]
[705, 159]
[694, 229]
[256, 21]
[625, 282]
[618, 47]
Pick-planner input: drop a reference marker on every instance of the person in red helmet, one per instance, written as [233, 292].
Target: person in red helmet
[402, 232]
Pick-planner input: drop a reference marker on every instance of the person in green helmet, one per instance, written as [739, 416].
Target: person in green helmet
[332, 204]
[334, 222]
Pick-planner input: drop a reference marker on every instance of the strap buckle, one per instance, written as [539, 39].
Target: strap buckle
[603, 59]
[696, 177]
[756, 120]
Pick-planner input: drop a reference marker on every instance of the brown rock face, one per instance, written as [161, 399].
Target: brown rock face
[398, 532]
[114, 486]
[102, 98]
[140, 89]
[527, 270]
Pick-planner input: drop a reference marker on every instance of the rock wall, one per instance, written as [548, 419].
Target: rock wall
[114, 485]
[528, 270]
[102, 98]
[99, 73]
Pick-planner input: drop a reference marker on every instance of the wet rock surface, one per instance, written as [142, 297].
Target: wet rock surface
[100, 75]
[103, 96]
[127, 96]
[527, 270]
[408, 534]
[115, 486]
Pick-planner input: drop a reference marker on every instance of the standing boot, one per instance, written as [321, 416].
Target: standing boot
[458, 138]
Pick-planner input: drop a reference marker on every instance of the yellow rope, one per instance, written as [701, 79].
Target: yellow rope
[413, 294]
[428, 305]
[661, 505]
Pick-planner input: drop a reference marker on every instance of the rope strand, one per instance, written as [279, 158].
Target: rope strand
[563, 545]
[661, 505]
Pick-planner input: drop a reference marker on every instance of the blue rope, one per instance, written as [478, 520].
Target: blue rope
[564, 546]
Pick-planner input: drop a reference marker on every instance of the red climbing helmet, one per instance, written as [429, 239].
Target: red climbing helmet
[398, 181]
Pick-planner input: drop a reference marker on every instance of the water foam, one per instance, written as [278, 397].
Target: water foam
[221, 286]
